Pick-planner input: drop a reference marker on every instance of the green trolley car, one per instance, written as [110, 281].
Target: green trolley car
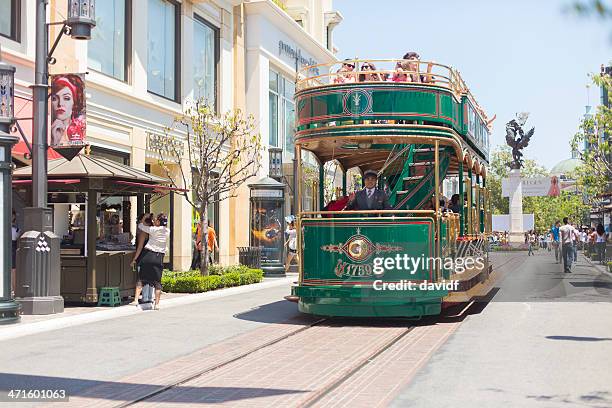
[416, 124]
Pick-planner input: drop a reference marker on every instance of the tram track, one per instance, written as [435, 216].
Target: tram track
[210, 369]
[327, 386]
[319, 395]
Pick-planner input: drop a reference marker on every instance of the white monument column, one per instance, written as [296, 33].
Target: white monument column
[516, 208]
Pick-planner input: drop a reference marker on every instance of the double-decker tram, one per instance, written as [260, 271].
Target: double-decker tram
[411, 125]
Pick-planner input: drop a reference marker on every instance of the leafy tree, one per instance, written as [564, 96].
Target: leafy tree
[593, 7]
[222, 152]
[546, 209]
[595, 175]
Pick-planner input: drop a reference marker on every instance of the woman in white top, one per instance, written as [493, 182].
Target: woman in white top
[600, 242]
[291, 244]
[152, 258]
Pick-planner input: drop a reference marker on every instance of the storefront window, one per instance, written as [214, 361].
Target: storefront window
[161, 52]
[108, 45]
[205, 61]
[10, 18]
[289, 126]
[282, 112]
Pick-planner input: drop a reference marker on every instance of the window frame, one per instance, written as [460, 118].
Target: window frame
[177, 54]
[281, 103]
[217, 55]
[15, 34]
[127, 49]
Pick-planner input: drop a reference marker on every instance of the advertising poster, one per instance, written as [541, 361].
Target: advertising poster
[539, 186]
[267, 228]
[67, 110]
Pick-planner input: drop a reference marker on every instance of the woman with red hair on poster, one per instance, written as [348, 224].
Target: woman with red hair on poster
[67, 110]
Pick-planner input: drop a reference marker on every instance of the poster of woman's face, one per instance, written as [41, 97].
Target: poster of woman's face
[67, 110]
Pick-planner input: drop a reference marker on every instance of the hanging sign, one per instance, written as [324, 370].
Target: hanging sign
[68, 119]
[539, 186]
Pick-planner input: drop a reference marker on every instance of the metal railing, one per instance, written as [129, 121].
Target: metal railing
[426, 73]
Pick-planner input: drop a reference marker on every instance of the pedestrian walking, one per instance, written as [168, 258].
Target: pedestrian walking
[211, 242]
[291, 244]
[152, 259]
[549, 241]
[575, 241]
[532, 242]
[566, 232]
[600, 242]
[556, 242]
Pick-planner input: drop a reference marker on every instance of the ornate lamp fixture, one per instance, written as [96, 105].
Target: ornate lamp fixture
[81, 18]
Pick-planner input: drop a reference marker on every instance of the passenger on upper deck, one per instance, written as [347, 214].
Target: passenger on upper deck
[368, 66]
[411, 67]
[345, 74]
[369, 198]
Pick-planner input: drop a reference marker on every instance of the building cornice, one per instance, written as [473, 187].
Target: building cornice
[284, 21]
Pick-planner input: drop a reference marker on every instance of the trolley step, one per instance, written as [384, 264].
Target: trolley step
[427, 163]
[412, 179]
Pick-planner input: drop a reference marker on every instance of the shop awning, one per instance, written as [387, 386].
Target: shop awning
[162, 188]
[88, 167]
[67, 181]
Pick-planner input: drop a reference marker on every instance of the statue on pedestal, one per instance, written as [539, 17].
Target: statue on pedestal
[514, 128]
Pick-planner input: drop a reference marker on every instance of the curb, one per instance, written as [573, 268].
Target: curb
[26, 329]
[600, 268]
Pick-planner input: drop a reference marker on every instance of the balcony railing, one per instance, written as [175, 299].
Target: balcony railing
[389, 71]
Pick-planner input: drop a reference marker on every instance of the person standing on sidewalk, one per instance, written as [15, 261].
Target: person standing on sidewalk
[566, 232]
[555, 235]
[152, 261]
[291, 245]
[600, 242]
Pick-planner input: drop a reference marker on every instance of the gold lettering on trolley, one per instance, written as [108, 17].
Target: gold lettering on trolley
[348, 269]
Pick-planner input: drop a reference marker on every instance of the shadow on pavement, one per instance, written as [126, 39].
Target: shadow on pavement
[595, 284]
[116, 391]
[578, 338]
[281, 311]
[595, 397]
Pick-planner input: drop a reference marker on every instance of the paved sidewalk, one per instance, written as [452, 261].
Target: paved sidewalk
[82, 315]
[544, 341]
[80, 356]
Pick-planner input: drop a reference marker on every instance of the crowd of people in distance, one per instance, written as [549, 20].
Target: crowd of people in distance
[565, 240]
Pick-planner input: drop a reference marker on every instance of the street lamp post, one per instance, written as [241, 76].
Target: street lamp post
[9, 309]
[38, 255]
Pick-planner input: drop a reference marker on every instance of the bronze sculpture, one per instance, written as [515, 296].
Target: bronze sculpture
[514, 128]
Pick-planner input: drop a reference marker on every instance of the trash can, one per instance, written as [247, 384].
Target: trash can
[250, 256]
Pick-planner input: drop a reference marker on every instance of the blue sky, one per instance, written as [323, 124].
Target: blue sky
[515, 55]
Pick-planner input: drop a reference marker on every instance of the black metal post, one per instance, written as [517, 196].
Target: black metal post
[38, 273]
[40, 109]
[9, 309]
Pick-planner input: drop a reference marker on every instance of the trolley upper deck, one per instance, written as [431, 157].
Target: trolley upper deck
[396, 97]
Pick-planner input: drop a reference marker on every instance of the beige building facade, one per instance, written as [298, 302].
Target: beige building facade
[148, 58]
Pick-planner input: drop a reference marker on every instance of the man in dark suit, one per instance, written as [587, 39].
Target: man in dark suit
[369, 198]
